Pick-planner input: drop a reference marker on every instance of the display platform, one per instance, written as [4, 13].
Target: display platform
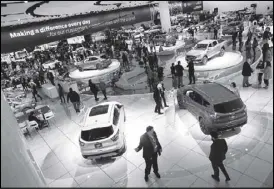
[49, 90]
[229, 59]
[168, 50]
[96, 75]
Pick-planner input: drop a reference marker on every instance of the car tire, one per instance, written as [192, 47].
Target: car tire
[180, 103]
[222, 52]
[203, 126]
[85, 156]
[204, 60]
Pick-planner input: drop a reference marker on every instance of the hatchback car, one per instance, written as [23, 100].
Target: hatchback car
[103, 132]
[215, 106]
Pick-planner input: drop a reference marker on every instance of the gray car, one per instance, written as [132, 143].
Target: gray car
[215, 106]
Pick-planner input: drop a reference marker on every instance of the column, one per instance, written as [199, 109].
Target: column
[164, 16]
[18, 168]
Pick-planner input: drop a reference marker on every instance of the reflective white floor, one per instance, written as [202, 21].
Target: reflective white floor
[184, 161]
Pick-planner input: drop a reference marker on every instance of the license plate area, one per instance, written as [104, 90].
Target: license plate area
[98, 145]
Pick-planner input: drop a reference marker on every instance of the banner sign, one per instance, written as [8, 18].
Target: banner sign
[192, 6]
[19, 37]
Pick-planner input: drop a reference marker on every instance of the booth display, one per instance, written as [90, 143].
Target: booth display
[95, 75]
[66, 85]
[168, 50]
[50, 91]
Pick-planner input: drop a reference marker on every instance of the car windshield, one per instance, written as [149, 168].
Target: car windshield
[97, 134]
[98, 110]
[201, 46]
[228, 107]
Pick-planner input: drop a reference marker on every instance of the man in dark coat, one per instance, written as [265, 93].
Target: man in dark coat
[94, 89]
[179, 74]
[50, 77]
[191, 75]
[217, 154]
[215, 32]
[246, 72]
[157, 99]
[34, 92]
[74, 97]
[151, 148]
[61, 93]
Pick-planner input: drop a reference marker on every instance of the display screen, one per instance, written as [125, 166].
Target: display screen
[192, 6]
[19, 37]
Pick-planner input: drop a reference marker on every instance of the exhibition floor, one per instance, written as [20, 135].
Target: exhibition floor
[184, 161]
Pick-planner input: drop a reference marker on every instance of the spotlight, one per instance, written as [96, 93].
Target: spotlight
[25, 1]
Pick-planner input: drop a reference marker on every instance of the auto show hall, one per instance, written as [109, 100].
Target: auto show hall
[184, 161]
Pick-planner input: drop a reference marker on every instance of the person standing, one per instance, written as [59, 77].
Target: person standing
[215, 33]
[179, 74]
[240, 36]
[50, 77]
[157, 99]
[151, 149]
[162, 89]
[74, 97]
[191, 71]
[34, 92]
[218, 150]
[254, 46]
[234, 37]
[246, 72]
[260, 71]
[172, 71]
[93, 89]
[267, 55]
[103, 86]
[248, 49]
[61, 93]
[267, 74]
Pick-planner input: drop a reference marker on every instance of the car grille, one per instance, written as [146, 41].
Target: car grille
[189, 57]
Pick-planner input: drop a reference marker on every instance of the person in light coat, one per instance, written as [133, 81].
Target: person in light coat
[267, 74]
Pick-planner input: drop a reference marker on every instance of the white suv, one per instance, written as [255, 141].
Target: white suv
[103, 131]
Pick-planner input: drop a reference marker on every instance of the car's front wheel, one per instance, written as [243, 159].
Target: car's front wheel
[203, 127]
[222, 52]
[204, 60]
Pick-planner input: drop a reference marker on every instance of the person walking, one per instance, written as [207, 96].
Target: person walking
[267, 74]
[151, 149]
[74, 97]
[179, 74]
[260, 71]
[103, 86]
[218, 150]
[172, 71]
[34, 92]
[254, 46]
[162, 89]
[191, 75]
[94, 89]
[246, 72]
[157, 99]
[267, 55]
[61, 93]
[50, 77]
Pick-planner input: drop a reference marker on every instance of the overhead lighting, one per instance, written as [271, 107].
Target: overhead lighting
[25, 1]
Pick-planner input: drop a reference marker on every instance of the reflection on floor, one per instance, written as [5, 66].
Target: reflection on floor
[184, 161]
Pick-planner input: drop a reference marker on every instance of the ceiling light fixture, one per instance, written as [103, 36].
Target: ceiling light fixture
[25, 1]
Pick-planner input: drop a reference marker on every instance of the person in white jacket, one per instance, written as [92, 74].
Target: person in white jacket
[267, 74]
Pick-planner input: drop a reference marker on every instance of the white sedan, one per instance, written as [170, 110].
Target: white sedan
[50, 65]
[91, 61]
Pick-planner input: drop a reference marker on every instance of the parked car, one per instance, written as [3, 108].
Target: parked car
[103, 132]
[92, 62]
[51, 64]
[215, 106]
[161, 39]
[205, 50]
[228, 30]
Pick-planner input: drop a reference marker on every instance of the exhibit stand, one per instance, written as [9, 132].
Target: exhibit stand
[50, 91]
[66, 85]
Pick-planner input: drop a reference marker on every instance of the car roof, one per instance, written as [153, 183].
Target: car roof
[98, 121]
[206, 41]
[215, 92]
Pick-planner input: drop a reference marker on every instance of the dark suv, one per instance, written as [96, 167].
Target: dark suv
[215, 106]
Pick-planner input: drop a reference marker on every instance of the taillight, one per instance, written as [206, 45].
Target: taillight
[116, 136]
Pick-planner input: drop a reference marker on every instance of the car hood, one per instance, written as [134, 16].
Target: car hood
[195, 52]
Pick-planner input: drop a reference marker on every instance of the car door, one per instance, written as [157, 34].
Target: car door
[216, 48]
[188, 100]
[121, 121]
[197, 101]
[210, 50]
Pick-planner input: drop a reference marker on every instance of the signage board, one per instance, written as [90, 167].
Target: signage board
[192, 6]
[18, 37]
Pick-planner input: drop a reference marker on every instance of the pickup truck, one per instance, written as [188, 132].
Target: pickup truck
[205, 50]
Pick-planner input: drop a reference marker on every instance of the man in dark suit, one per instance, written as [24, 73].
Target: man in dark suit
[157, 99]
[151, 148]
[191, 74]
[217, 156]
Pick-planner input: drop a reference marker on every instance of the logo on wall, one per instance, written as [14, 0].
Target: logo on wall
[191, 6]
